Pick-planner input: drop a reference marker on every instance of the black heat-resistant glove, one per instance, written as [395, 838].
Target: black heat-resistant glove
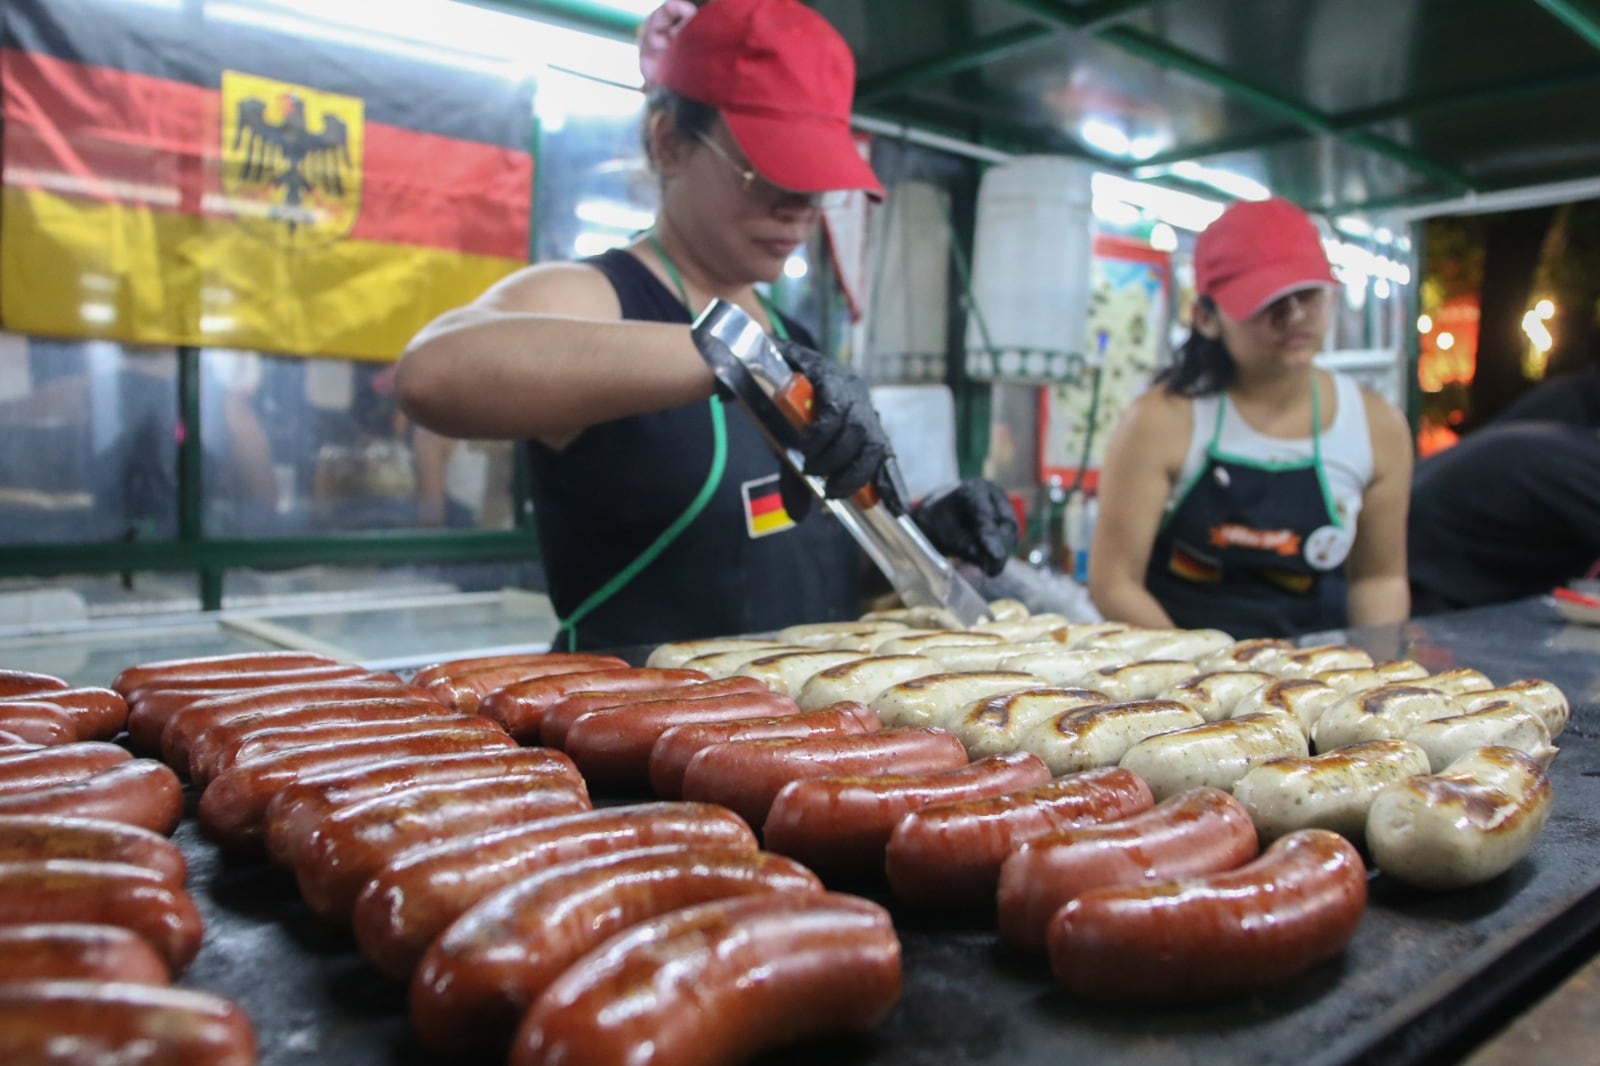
[972, 520]
[844, 443]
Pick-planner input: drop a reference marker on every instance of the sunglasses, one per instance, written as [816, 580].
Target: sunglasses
[764, 191]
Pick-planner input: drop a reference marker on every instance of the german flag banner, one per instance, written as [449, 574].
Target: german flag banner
[217, 175]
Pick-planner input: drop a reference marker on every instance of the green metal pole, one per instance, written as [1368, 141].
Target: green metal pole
[1578, 16]
[579, 14]
[897, 79]
[191, 485]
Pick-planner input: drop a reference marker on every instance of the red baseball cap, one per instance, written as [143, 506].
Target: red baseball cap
[1256, 252]
[783, 80]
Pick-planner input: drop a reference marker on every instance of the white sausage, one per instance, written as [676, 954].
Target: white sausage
[1309, 662]
[938, 699]
[999, 723]
[973, 657]
[1464, 826]
[1457, 682]
[1331, 791]
[1255, 654]
[919, 643]
[1497, 724]
[1034, 627]
[787, 672]
[1388, 713]
[1361, 679]
[1069, 666]
[1540, 697]
[1141, 680]
[677, 655]
[1214, 695]
[1101, 735]
[1300, 698]
[823, 634]
[1215, 753]
[726, 663]
[862, 679]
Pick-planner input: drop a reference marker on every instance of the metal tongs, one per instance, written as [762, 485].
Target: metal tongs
[745, 360]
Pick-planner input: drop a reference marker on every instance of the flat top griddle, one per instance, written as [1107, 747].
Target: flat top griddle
[1422, 968]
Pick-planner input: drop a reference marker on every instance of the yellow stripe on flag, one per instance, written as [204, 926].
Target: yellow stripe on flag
[771, 522]
[151, 276]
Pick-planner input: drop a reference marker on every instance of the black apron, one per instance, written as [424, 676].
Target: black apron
[1257, 549]
[739, 566]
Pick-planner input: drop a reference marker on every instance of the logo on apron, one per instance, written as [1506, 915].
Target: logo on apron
[1285, 542]
[763, 507]
[1328, 546]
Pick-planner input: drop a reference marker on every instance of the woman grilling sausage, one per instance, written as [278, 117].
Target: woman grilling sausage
[661, 512]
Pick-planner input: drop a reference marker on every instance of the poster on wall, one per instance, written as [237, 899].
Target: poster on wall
[1127, 322]
[208, 174]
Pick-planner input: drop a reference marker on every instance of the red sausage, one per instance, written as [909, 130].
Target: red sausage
[746, 775]
[948, 856]
[842, 824]
[558, 719]
[216, 746]
[30, 838]
[78, 952]
[97, 713]
[1212, 937]
[244, 681]
[481, 975]
[521, 707]
[38, 722]
[109, 1022]
[719, 982]
[141, 793]
[674, 748]
[353, 843]
[11, 740]
[150, 709]
[233, 807]
[466, 689]
[298, 809]
[413, 899]
[612, 747]
[453, 667]
[1199, 831]
[26, 683]
[47, 767]
[195, 718]
[264, 742]
[236, 663]
[103, 893]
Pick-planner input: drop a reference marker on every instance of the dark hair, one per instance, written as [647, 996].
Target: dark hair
[689, 117]
[1202, 366]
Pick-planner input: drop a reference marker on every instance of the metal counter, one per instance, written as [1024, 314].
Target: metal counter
[1421, 970]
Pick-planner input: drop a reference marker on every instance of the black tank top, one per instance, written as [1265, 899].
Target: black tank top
[740, 567]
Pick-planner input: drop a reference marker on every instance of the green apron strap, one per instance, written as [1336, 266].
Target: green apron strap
[719, 463]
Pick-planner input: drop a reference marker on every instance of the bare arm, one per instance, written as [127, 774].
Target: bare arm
[1143, 458]
[545, 353]
[1379, 592]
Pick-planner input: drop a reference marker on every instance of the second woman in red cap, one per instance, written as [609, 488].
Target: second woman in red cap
[1249, 490]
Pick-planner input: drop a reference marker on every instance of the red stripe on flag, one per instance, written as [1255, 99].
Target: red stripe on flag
[444, 193]
[101, 134]
[760, 505]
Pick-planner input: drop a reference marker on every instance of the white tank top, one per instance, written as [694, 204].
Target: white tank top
[1346, 446]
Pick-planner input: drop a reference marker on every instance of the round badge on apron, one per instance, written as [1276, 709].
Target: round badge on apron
[1328, 547]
